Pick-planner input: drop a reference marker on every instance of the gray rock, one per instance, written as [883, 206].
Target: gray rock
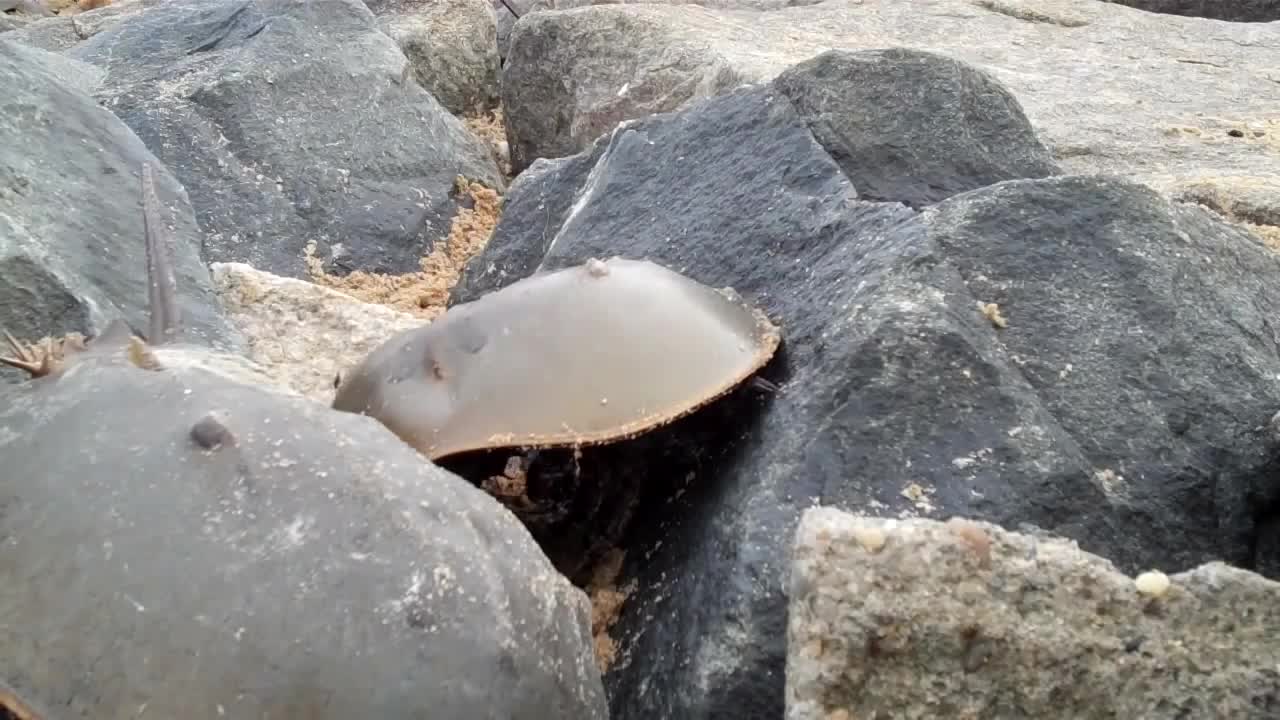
[955, 129]
[1124, 403]
[922, 619]
[1107, 88]
[54, 34]
[289, 123]
[538, 201]
[62, 32]
[1232, 10]
[506, 20]
[26, 7]
[94, 21]
[453, 47]
[958, 131]
[76, 76]
[71, 238]
[555, 103]
[187, 544]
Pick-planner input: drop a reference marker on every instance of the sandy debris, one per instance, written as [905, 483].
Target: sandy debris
[424, 293]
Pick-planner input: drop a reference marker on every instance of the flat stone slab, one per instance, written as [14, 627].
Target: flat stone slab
[961, 619]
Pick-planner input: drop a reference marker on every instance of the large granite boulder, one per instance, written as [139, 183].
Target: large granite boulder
[290, 124]
[1075, 353]
[1107, 87]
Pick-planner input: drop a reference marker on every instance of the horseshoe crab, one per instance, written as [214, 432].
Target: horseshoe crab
[179, 544]
[585, 355]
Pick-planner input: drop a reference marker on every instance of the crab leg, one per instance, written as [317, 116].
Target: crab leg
[25, 359]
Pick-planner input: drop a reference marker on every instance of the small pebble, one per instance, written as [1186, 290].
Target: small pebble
[870, 538]
[1152, 583]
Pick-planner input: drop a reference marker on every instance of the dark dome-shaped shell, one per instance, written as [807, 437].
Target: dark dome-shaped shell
[597, 352]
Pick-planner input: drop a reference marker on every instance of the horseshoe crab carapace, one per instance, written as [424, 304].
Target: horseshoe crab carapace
[602, 351]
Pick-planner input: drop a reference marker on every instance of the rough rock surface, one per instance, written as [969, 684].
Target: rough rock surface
[1123, 403]
[71, 229]
[1251, 200]
[236, 552]
[290, 123]
[506, 20]
[54, 34]
[66, 31]
[539, 201]
[556, 103]
[1232, 10]
[301, 333]
[958, 129]
[1183, 96]
[920, 619]
[453, 46]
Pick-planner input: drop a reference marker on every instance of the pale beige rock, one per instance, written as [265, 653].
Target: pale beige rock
[300, 333]
[962, 619]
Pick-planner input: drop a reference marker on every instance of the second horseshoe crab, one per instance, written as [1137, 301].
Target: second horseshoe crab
[585, 355]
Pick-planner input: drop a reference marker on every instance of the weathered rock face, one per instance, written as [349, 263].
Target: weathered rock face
[1122, 403]
[956, 130]
[453, 46]
[539, 201]
[1235, 10]
[1146, 330]
[959, 131]
[958, 127]
[1190, 96]
[214, 549]
[290, 122]
[71, 247]
[62, 32]
[923, 619]
[527, 7]
[561, 103]
[54, 34]
[25, 8]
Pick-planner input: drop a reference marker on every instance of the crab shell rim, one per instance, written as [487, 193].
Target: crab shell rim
[770, 340]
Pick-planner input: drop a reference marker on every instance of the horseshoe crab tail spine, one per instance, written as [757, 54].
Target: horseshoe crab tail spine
[161, 280]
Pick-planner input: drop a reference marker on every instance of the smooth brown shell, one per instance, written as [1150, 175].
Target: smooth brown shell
[588, 354]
